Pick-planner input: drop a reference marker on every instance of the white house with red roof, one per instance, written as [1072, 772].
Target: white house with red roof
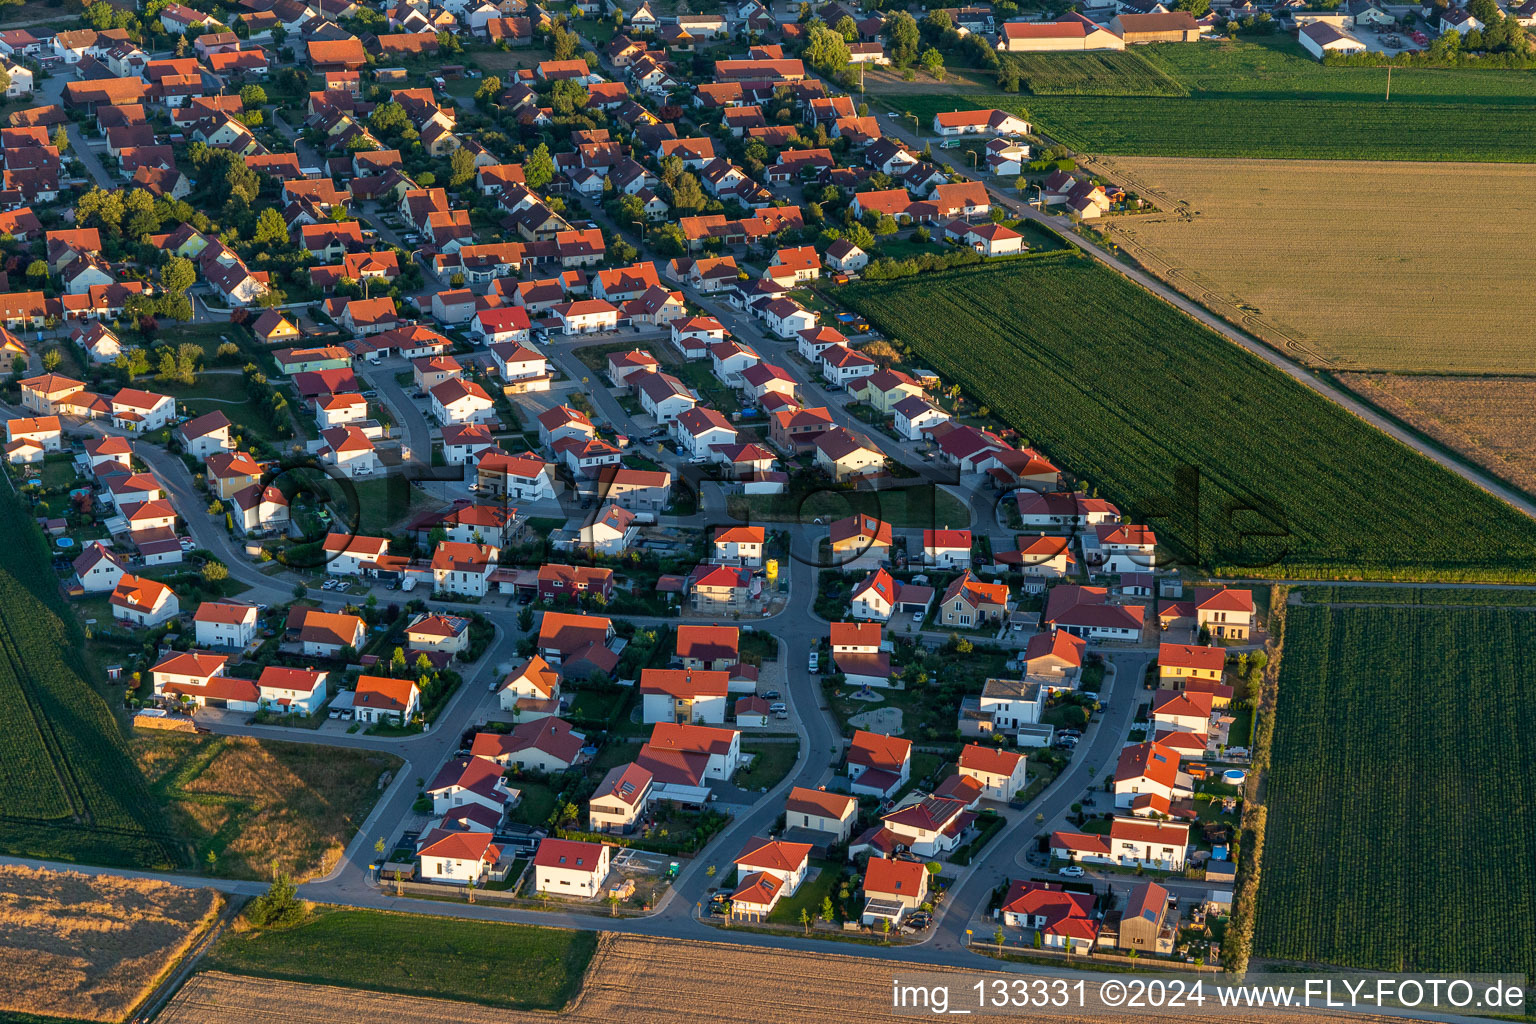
[140, 412]
[459, 568]
[206, 435]
[1063, 920]
[892, 889]
[929, 826]
[143, 602]
[564, 867]
[611, 532]
[463, 442]
[458, 858]
[461, 401]
[1041, 556]
[841, 365]
[434, 631]
[829, 815]
[1057, 509]
[914, 417]
[1182, 711]
[500, 325]
[1120, 548]
[703, 751]
[563, 421]
[738, 545]
[699, 429]
[187, 669]
[1088, 613]
[1002, 773]
[620, 799]
[788, 862]
[381, 699]
[349, 449]
[1150, 768]
[98, 569]
[947, 549]
[299, 691]
[1226, 612]
[878, 765]
[469, 779]
[879, 596]
[349, 554]
[683, 695]
[531, 689]
[542, 745]
[522, 370]
[1131, 842]
[229, 624]
[979, 122]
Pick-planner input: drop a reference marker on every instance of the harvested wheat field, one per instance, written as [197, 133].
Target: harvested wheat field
[1347, 264]
[255, 802]
[1489, 420]
[632, 980]
[89, 947]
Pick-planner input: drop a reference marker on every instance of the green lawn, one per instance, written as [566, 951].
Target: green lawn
[771, 762]
[508, 965]
[811, 894]
[920, 506]
[698, 377]
[538, 802]
[218, 392]
[385, 502]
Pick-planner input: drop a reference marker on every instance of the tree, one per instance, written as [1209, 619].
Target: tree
[463, 167]
[847, 28]
[525, 619]
[252, 96]
[933, 63]
[61, 139]
[389, 118]
[902, 38]
[37, 272]
[539, 168]
[687, 193]
[826, 50]
[885, 927]
[178, 274]
[1008, 77]
[490, 89]
[1197, 8]
[214, 572]
[52, 358]
[805, 919]
[885, 225]
[270, 229]
[397, 663]
[278, 907]
[827, 913]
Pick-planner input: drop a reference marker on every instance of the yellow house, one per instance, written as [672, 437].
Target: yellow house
[885, 389]
[275, 329]
[1177, 663]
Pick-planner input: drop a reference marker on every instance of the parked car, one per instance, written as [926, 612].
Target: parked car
[815, 662]
[1071, 871]
[772, 695]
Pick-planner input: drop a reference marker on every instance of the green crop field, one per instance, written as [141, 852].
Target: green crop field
[510, 965]
[1401, 806]
[1435, 596]
[1099, 73]
[1207, 443]
[1263, 100]
[69, 789]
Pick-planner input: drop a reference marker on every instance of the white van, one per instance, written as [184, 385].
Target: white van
[815, 664]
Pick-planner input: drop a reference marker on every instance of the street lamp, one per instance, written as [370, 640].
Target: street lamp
[916, 129]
